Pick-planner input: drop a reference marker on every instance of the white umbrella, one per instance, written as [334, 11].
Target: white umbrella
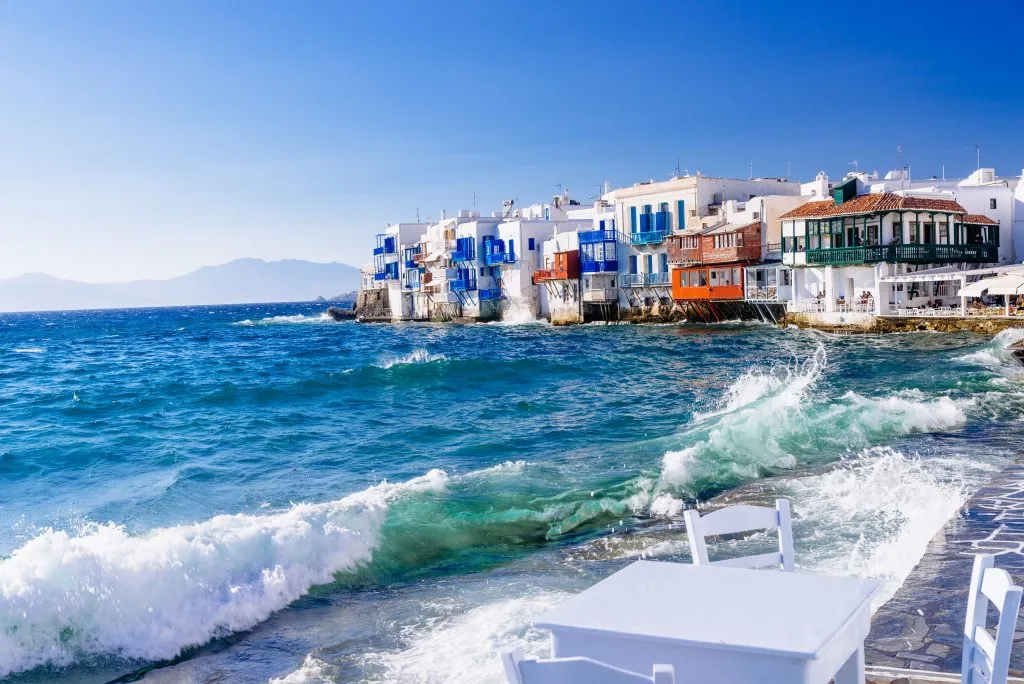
[1001, 285]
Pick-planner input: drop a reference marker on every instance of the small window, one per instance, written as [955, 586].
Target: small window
[786, 275]
[613, 282]
[531, 243]
[992, 203]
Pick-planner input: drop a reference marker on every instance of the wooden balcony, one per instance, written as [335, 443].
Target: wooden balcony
[566, 267]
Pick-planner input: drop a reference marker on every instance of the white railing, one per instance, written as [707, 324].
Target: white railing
[601, 295]
[867, 307]
[763, 294]
[808, 306]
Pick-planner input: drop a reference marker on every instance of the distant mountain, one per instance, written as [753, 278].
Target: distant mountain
[240, 281]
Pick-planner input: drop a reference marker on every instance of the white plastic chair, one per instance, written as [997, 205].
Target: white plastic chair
[518, 670]
[742, 518]
[986, 660]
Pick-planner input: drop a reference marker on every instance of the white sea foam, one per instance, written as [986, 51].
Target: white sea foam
[994, 354]
[416, 356]
[312, 671]
[283, 320]
[28, 350]
[518, 311]
[105, 591]
[463, 648]
[874, 515]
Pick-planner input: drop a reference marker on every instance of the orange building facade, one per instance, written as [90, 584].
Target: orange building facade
[708, 264]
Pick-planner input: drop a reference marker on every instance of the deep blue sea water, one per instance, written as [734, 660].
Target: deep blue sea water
[250, 493]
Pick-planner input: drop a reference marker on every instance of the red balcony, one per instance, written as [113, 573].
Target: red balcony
[567, 267]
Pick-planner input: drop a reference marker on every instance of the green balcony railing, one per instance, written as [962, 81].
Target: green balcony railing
[909, 254]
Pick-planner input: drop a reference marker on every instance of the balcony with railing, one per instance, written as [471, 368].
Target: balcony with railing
[491, 294]
[386, 244]
[462, 284]
[495, 254]
[646, 280]
[566, 267]
[649, 237]
[910, 254]
[601, 294]
[465, 250]
[594, 266]
[589, 237]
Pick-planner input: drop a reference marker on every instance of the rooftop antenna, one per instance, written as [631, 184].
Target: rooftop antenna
[978, 148]
[943, 172]
[856, 165]
[417, 214]
[600, 190]
[751, 167]
[677, 169]
[474, 199]
[902, 166]
[559, 186]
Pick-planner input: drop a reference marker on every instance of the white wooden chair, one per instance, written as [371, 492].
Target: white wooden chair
[742, 518]
[518, 670]
[986, 660]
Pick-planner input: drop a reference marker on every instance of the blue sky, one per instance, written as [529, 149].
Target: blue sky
[145, 139]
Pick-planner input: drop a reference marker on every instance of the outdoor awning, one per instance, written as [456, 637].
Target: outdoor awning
[1001, 285]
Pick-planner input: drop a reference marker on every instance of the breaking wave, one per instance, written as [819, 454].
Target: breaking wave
[415, 357]
[874, 515]
[282, 320]
[104, 591]
[771, 421]
[28, 350]
[994, 354]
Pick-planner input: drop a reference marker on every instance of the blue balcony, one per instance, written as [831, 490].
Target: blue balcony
[591, 236]
[386, 244]
[461, 255]
[462, 285]
[411, 264]
[377, 251]
[496, 258]
[590, 266]
[491, 294]
[650, 237]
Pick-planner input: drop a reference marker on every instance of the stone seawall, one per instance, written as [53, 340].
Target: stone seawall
[867, 323]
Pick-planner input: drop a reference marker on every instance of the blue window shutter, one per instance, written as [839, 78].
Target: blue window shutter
[650, 263]
[511, 248]
[601, 224]
[531, 244]
[632, 218]
[664, 263]
[682, 214]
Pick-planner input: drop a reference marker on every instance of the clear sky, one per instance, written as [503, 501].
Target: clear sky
[147, 138]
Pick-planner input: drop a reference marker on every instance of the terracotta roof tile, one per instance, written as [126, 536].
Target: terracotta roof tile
[733, 228]
[979, 219]
[874, 202]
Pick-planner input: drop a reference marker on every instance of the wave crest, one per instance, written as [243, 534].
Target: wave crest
[104, 591]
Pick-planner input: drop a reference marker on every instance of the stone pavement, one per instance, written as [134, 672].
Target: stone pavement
[921, 627]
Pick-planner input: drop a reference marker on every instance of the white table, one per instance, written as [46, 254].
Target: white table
[720, 625]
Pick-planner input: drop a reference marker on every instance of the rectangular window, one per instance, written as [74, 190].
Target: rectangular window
[531, 243]
[943, 233]
[512, 249]
[799, 244]
[992, 203]
[632, 263]
[632, 218]
[664, 263]
[650, 263]
[702, 278]
[787, 276]
[681, 213]
[600, 224]
[872, 235]
[913, 233]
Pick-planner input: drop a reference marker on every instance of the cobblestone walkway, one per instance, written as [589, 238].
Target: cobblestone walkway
[921, 627]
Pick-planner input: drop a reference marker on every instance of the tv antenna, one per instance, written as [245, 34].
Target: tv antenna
[678, 170]
[977, 147]
[417, 214]
[474, 199]
[856, 165]
[750, 166]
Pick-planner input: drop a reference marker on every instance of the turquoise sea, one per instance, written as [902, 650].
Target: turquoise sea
[256, 493]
